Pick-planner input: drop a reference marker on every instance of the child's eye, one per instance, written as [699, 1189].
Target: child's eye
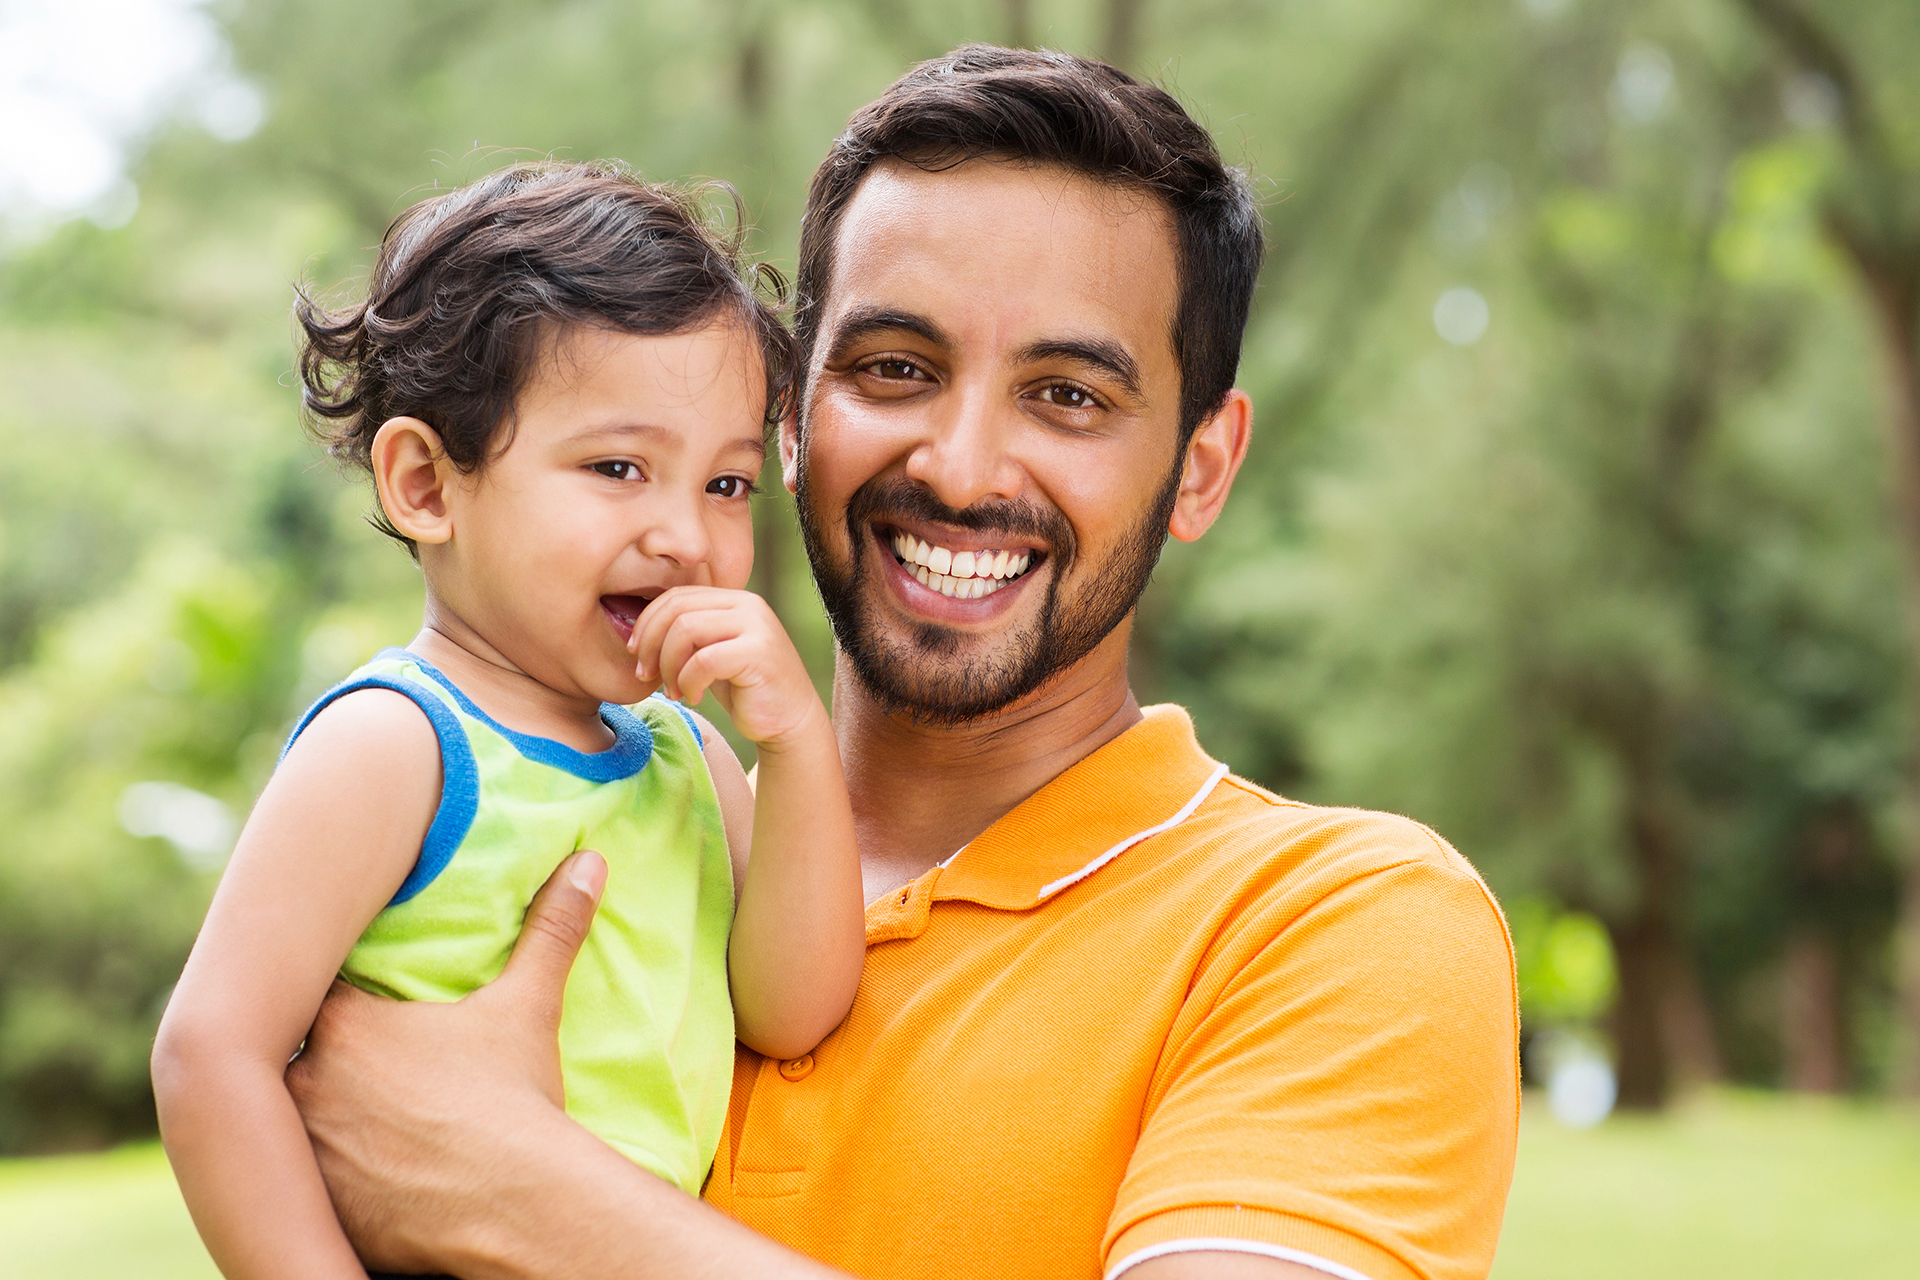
[618, 470]
[732, 487]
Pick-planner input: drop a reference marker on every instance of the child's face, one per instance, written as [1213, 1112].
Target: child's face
[629, 471]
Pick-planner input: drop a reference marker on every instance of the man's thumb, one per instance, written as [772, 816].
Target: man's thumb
[556, 924]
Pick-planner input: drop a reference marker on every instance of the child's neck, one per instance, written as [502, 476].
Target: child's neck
[505, 692]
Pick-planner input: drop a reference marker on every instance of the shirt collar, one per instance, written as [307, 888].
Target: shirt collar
[1147, 780]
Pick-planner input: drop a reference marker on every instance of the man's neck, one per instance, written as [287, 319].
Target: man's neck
[922, 791]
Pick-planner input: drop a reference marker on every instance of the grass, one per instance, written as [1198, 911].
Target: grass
[115, 1216]
[1751, 1185]
[1758, 1186]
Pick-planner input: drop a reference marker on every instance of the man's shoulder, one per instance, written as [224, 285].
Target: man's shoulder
[1247, 813]
[1275, 846]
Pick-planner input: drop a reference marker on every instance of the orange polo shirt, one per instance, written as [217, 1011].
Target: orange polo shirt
[1154, 1008]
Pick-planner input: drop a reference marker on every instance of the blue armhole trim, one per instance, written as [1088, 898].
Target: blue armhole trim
[460, 777]
[699, 739]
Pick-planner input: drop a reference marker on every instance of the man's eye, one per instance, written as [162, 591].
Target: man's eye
[730, 487]
[1069, 397]
[618, 470]
[894, 370]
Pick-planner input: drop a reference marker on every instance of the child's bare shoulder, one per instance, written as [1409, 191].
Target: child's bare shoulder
[373, 732]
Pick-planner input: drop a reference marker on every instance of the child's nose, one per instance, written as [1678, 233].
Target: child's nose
[681, 540]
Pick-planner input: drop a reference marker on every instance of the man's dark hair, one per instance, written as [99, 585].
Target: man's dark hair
[470, 287]
[1040, 107]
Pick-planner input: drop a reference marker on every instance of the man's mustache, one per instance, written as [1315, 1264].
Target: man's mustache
[889, 498]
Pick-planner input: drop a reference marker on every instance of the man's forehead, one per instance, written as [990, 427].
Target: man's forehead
[1006, 227]
[1070, 199]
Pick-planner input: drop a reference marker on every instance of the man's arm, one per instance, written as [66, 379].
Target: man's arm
[1341, 1090]
[440, 1132]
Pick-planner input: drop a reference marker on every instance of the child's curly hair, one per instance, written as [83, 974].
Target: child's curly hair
[469, 285]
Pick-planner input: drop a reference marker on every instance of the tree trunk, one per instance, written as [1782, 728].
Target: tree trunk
[1661, 1025]
[753, 94]
[1894, 288]
[1812, 1031]
[1639, 1038]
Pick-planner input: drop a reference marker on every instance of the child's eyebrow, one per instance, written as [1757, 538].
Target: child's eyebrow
[664, 435]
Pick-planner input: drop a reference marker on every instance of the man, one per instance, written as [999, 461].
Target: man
[1122, 1012]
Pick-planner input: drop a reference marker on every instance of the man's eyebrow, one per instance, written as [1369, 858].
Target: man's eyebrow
[1109, 357]
[864, 322]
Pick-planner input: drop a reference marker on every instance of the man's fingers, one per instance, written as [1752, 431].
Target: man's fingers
[556, 924]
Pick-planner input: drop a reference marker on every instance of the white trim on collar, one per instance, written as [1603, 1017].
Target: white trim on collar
[1224, 1244]
[1185, 811]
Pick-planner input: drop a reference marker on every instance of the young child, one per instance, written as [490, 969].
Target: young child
[559, 383]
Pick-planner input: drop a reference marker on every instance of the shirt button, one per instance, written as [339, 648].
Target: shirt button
[798, 1069]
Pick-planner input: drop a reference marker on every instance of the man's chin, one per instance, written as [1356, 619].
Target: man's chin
[935, 674]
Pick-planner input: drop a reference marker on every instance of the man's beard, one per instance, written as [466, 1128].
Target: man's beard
[924, 674]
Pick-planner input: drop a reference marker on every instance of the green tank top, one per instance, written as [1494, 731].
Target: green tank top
[646, 1033]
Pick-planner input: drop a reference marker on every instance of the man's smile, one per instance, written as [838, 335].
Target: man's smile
[967, 574]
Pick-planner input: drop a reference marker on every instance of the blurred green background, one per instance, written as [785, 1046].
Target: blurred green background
[1582, 522]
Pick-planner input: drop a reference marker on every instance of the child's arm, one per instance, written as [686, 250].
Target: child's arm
[335, 832]
[799, 931]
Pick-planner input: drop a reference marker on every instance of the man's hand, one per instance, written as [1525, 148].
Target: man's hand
[414, 1109]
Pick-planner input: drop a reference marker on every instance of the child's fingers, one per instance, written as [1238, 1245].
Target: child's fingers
[651, 628]
[658, 618]
[691, 632]
[719, 663]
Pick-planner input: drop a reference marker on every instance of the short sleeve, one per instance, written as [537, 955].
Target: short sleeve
[1342, 1084]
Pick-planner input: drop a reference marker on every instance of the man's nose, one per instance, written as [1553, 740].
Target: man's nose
[967, 455]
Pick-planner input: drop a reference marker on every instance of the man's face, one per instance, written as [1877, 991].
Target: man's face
[990, 430]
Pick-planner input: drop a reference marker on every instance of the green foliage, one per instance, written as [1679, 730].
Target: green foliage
[1564, 959]
[1623, 563]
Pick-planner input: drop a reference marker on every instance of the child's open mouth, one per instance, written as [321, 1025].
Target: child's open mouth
[623, 611]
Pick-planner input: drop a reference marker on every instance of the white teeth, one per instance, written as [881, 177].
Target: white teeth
[963, 575]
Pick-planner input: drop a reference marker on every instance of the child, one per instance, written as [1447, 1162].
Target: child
[559, 383]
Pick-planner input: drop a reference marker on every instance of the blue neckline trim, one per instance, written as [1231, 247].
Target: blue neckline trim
[632, 741]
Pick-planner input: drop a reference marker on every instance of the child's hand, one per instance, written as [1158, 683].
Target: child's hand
[693, 638]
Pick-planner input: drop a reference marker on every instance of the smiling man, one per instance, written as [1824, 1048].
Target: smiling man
[1122, 1012]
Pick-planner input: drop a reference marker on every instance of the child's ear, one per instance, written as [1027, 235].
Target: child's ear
[411, 474]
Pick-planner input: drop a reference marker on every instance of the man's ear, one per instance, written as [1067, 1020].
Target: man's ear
[790, 450]
[411, 474]
[1214, 456]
